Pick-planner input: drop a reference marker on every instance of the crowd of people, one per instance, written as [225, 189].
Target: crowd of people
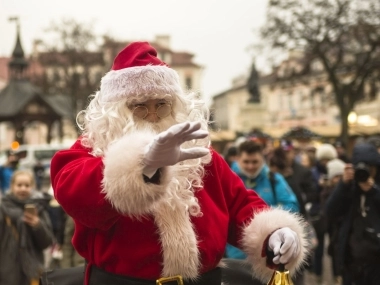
[35, 232]
[142, 196]
[341, 208]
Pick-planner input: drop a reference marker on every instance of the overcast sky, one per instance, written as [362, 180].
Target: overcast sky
[218, 32]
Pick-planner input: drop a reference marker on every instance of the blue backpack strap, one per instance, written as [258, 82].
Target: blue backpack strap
[272, 181]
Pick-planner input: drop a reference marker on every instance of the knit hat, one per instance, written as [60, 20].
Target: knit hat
[326, 151]
[287, 145]
[335, 167]
[138, 73]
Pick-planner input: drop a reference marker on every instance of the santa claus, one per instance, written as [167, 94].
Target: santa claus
[150, 198]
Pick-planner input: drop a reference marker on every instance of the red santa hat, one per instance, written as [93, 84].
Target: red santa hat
[138, 73]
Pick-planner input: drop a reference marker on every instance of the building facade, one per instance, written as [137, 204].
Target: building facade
[46, 68]
[291, 98]
[233, 112]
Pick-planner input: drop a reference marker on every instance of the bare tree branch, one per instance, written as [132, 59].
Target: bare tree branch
[343, 34]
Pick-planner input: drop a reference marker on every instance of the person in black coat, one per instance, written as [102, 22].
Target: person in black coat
[298, 177]
[300, 180]
[356, 200]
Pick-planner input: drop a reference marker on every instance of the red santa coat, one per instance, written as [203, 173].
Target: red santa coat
[108, 200]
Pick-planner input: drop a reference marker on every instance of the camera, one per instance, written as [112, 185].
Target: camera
[362, 172]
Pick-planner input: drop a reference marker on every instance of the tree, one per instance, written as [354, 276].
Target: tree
[344, 35]
[71, 62]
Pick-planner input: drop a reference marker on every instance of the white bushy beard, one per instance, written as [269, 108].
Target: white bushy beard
[187, 175]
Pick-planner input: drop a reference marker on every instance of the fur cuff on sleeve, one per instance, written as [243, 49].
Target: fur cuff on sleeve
[123, 181]
[256, 233]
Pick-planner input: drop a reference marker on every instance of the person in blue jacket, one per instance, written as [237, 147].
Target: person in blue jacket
[6, 172]
[271, 187]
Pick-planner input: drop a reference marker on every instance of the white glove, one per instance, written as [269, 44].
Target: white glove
[285, 245]
[165, 149]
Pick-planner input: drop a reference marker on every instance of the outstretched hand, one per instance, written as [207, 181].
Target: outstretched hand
[165, 149]
[285, 245]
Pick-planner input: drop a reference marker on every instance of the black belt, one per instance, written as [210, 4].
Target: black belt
[101, 277]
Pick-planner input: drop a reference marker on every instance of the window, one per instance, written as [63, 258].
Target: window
[290, 100]
[320, 90]
[372, 90]
[56, 76]
[45, 154]
[300, 100]
[189, 82]
[316, 65]
[312, 103]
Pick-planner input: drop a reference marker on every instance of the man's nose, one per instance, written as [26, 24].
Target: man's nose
[152, 115]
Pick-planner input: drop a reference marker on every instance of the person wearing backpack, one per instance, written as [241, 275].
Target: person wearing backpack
[256, 175]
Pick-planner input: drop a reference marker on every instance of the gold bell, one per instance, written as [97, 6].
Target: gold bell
[281, 276]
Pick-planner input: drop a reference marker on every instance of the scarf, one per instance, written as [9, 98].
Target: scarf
[13, 208]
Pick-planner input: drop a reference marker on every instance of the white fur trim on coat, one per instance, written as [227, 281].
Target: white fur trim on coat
[123, 181]
[178, 240]
[261, 226]
[139, 81]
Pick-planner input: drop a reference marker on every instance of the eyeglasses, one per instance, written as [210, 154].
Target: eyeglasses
[162, 111]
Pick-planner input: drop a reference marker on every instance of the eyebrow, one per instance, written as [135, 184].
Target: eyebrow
[248, 160]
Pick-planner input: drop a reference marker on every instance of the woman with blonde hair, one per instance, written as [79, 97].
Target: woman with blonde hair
[25, 231]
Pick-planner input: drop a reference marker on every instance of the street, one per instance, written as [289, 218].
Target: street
[327, 271]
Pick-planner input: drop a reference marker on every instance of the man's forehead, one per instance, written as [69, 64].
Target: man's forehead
[246, 155]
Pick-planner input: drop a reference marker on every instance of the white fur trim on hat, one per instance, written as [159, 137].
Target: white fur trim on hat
[123, 181]
[326, 151]
[262, 225]
[335, 167]
[135, 82]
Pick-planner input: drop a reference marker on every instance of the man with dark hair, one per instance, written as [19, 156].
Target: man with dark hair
[341, 149]
[271, 187]
[230, 155]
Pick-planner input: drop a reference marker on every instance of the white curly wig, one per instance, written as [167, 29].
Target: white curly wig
[103, 123]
